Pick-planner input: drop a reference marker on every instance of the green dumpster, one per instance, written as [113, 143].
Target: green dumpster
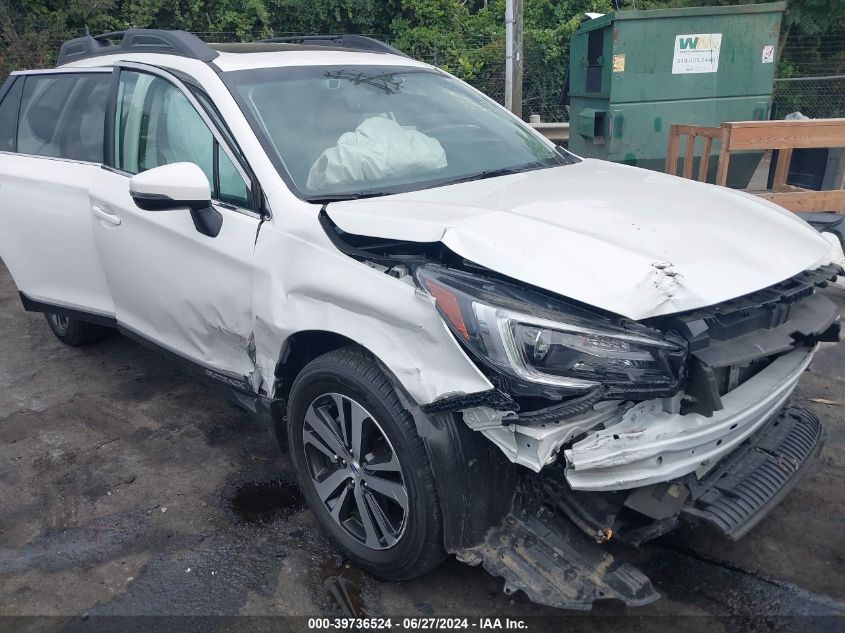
[632, 73]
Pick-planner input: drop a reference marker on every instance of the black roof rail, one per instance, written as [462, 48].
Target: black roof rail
[136, 41]
[360, 42]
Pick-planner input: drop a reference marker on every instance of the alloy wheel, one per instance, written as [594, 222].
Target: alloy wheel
[62, 322]
[355, 471]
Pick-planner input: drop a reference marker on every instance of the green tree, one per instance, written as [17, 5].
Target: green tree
[465, 37]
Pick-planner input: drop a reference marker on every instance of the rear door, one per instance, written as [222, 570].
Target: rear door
[172, 285]
[51, 150]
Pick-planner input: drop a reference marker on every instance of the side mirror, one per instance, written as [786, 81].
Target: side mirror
[177, 186]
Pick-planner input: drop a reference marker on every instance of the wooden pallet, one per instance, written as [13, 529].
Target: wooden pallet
[784, 136]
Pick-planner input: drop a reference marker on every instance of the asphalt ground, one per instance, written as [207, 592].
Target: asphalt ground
[129, 489]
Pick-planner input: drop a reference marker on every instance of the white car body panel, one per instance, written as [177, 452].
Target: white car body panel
[46, 237]
[630, 241]
[171, 284]
[304, 283]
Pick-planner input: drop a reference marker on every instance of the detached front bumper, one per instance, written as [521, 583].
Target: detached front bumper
[550, 543]
[648, 445]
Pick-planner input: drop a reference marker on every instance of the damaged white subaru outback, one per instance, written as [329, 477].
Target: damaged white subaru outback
[469, 340]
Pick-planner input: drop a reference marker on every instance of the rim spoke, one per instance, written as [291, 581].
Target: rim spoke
[358, 416]
[341, 417]
[387, 530]
[338, 507]
[370, 530]
[310, 438]
[391, 465]
[316, 419]
[329, 485]
[389, 489]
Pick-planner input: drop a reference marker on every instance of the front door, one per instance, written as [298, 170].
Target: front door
[172, 285]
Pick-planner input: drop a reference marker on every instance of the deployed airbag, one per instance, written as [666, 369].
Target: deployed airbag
[378, 149]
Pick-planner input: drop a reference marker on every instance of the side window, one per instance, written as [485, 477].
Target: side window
[156, 125]
[62, 116]
[233, 189]
[9, 116]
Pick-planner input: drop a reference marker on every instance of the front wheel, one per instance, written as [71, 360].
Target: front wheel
[362, 467]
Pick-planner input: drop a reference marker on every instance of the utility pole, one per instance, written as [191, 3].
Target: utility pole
[513, 56]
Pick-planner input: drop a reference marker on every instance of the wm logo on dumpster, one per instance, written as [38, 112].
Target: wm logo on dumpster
[696, 53]
[703, 42]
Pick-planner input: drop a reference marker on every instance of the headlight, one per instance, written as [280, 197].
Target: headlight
[549, 342]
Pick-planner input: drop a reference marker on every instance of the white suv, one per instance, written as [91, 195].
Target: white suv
[469, 340]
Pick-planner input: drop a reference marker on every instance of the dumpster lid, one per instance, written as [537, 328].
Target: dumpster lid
[655, 14]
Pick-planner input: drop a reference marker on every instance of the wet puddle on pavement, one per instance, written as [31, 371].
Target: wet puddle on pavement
[262, 502]
[343, 585]
[340, 584]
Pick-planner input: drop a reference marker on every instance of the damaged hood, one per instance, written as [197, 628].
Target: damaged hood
[634, 242]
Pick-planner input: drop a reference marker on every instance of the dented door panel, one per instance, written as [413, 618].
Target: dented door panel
[185, 291]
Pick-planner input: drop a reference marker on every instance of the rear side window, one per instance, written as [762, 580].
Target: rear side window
[62, 116]
[9, 116]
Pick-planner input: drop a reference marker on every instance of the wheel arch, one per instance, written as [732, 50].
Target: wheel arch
[301, 348]
[469, 471]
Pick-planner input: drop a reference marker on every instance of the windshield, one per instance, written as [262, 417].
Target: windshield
[337, 132]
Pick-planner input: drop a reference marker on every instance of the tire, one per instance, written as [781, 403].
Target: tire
[396, 542]
[76, 333]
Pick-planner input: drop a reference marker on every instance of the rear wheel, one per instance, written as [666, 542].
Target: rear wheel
[363, 469]
[74, 332]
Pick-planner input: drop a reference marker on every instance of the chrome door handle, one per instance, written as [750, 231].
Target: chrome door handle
[105, 216]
